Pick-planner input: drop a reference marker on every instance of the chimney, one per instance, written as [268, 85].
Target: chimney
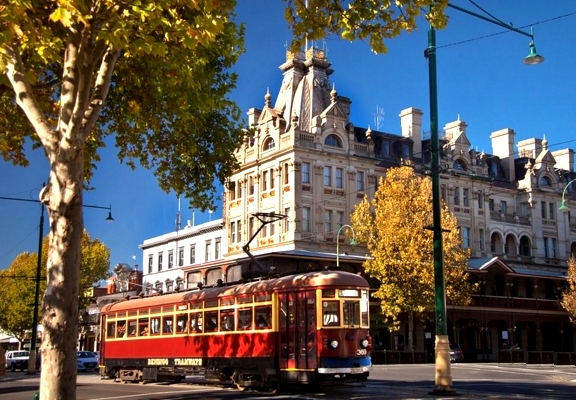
[411, 124]
[564, 159]
[503, 147]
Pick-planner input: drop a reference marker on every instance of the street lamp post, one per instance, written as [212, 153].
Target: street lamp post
[352, 242]
[33, 337]
[443, 377]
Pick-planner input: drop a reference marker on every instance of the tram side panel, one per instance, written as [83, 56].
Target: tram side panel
[194, 351]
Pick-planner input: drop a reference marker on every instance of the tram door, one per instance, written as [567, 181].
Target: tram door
[298, 330]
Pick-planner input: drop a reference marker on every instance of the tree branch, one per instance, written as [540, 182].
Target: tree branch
[101, 88]
[25, 98]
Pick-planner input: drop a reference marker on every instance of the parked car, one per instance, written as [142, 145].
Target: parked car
[456, 354]
[86, 361]
[17, 359]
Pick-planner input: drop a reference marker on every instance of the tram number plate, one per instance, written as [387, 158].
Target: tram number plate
[357, 370]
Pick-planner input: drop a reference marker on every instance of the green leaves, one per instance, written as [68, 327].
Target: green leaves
[374, 20]
[167, 104]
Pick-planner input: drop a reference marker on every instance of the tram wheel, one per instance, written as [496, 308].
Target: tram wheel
[274, 387]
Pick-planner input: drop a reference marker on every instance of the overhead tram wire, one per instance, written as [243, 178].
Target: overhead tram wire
[507, 31]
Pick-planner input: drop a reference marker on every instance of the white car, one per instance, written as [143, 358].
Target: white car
[17, 359]
[86, 361]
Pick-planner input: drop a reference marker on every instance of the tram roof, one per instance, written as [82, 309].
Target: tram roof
[317, 280]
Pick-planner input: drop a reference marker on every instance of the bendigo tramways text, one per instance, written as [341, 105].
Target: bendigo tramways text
[293, 329]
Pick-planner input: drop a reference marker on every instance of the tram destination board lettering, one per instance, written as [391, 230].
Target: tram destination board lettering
[189, 362]
[178, 362]
[157, 361]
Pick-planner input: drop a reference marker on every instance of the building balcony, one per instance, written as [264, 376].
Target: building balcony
[510, 218]
[518, 303]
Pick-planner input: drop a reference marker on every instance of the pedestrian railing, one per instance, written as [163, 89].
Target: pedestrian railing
[516, 356]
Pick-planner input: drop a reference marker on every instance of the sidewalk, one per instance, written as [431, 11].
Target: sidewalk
[18, 375]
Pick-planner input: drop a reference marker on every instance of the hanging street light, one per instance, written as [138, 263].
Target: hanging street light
[352, 242]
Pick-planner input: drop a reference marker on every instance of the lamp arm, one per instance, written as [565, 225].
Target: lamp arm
[491, 20]
[338, 242]
[566, 188]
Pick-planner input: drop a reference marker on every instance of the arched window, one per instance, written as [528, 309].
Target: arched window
[269, 144]
[332, 140]
[545, 181]
[525, 246]
[510, 245]
[459, 165]
[496, 243]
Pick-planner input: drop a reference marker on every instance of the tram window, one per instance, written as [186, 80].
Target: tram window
[263, 317]
[364, 310]
[195, 306]
[260, 298]
[132, 328]
[245, 299]
[329, 293]
[143, 326]
[156, 310]
[167, 325]
[196, 322]
[227, 302]
[330, 313]
[211, 303]
[211, 321]
[121, 328]
[111, 330]
[181, 323]
[227, 320]
[351, 312]
[155, 325]
[245, 319]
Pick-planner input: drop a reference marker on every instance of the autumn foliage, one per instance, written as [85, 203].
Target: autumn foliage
[569, 298]
[396, 227]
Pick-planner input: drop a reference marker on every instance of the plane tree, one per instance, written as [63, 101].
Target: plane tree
[151, 78]
[396, 227]
[375, 21]
[17, 282]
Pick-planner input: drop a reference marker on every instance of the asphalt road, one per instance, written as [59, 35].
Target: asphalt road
[401, 382]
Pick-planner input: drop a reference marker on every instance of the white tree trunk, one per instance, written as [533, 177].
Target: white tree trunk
[63, 197]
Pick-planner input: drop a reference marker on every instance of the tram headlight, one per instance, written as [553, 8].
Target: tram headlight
[364, 343]
[333, 344]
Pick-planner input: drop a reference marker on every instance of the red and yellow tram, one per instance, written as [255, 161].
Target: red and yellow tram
[301, 328]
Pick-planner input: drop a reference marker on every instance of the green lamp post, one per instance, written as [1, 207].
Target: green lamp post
[443, 376]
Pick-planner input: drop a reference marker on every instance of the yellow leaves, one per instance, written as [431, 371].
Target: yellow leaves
[394, 226]
[68, 13]
[62, 15]
[569, 295]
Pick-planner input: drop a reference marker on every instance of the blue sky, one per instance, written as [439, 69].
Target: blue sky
[480, 79]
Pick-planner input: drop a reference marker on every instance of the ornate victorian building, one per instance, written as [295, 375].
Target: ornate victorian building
[305, 160]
